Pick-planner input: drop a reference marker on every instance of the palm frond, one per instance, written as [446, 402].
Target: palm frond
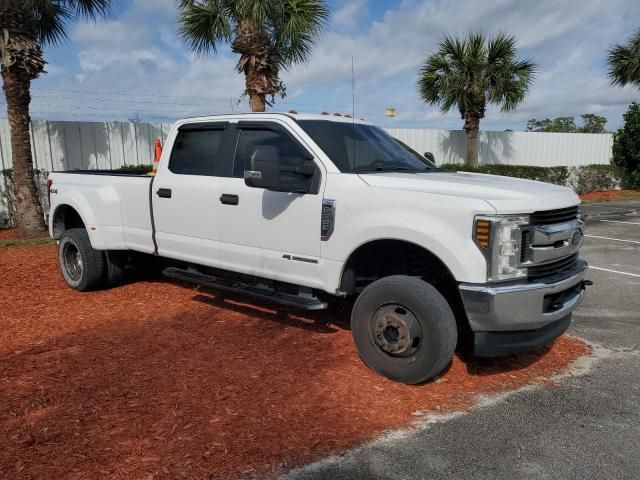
[624, 62]
[258, 11]
[297, 24]
[52, 17]
[501, 48]
[87, 8]
[203, 25]
[52, 21]
[468, 72]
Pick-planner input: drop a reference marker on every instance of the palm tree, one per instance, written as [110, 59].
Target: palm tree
[269, 36]
[25, 27]
[471, 72]
[624, 62]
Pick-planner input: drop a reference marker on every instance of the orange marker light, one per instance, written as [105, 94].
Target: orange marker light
[482, 233]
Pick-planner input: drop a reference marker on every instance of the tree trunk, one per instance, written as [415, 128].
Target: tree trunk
[16, 85]
[258, 62]
[472, 127]
[257, 102]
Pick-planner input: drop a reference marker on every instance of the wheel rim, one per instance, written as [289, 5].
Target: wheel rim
[72, 261]
[396, 330]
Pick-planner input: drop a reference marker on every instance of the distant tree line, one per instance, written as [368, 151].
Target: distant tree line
[591, 123]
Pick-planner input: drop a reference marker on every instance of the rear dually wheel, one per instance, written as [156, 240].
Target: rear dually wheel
[82, 267]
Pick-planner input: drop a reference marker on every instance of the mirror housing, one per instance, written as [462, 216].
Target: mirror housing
[265, 171]
[430, 156]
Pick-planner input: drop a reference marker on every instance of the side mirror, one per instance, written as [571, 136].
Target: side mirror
[430, 156]
[264, 169]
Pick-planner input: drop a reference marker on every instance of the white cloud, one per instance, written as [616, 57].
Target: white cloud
[140, 52]
[347, 17]
[568, 40]
[117, 34]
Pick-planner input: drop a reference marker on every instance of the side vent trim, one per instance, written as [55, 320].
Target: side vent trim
[327, 219]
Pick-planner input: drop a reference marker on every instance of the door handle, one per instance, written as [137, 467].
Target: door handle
[164, 192]
[229, 199]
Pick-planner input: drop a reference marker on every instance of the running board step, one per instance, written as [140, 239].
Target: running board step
[299, 301]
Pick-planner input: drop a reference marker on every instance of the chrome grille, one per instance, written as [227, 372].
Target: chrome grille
[559, 266]
[524, 247]
[551, 217]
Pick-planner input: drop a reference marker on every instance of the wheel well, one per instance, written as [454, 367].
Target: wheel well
[65, 217]
[383, 258]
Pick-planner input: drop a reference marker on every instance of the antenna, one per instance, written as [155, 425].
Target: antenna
[353, 92]
[353, 114]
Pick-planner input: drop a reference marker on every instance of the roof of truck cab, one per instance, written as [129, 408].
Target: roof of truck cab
[293, 116]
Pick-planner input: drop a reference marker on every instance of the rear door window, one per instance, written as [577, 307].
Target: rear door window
[197, 151]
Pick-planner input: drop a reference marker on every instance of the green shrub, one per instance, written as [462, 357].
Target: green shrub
[631, 180]
[592, 178]
[626, 146]
[557, 175]
[137, 168]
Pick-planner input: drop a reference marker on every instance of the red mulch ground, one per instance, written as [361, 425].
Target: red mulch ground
[158, 380]
[9, 234]
[608, 195]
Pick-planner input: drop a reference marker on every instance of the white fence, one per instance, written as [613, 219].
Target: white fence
[86, 145]
[71, 145]
[90, 145]
[80, 145]
[512, 148]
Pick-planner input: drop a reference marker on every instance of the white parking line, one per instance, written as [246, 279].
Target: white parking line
[614, 271]
[614, 239]
[618, 221]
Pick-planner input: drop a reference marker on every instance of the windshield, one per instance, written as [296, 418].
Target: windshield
[357, 148]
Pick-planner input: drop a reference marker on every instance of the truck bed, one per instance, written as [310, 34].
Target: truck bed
[115, 205]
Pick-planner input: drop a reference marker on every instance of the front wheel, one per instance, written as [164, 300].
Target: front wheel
[82, 267]
[404, 329]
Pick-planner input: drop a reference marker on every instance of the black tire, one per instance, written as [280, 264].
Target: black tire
[116, 262]
[82, 267]
[404, 329]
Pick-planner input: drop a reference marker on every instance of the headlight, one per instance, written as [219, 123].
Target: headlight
[499, 239]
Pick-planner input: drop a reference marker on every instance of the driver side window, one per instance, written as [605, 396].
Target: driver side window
[288, 152]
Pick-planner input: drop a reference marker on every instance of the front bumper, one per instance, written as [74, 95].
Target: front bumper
[520, 313]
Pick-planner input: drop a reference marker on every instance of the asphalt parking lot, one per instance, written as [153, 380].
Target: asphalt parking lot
[586, 426]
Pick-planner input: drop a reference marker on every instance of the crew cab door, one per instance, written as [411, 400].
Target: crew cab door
[266, 233]
[186, 192]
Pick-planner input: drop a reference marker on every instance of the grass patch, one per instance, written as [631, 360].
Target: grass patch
[31, 242]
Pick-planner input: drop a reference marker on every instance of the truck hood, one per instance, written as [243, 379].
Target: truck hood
[505, 194]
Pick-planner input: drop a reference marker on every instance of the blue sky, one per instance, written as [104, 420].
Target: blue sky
[134, 64]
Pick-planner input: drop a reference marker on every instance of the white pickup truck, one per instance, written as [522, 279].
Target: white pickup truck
[306, 207]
